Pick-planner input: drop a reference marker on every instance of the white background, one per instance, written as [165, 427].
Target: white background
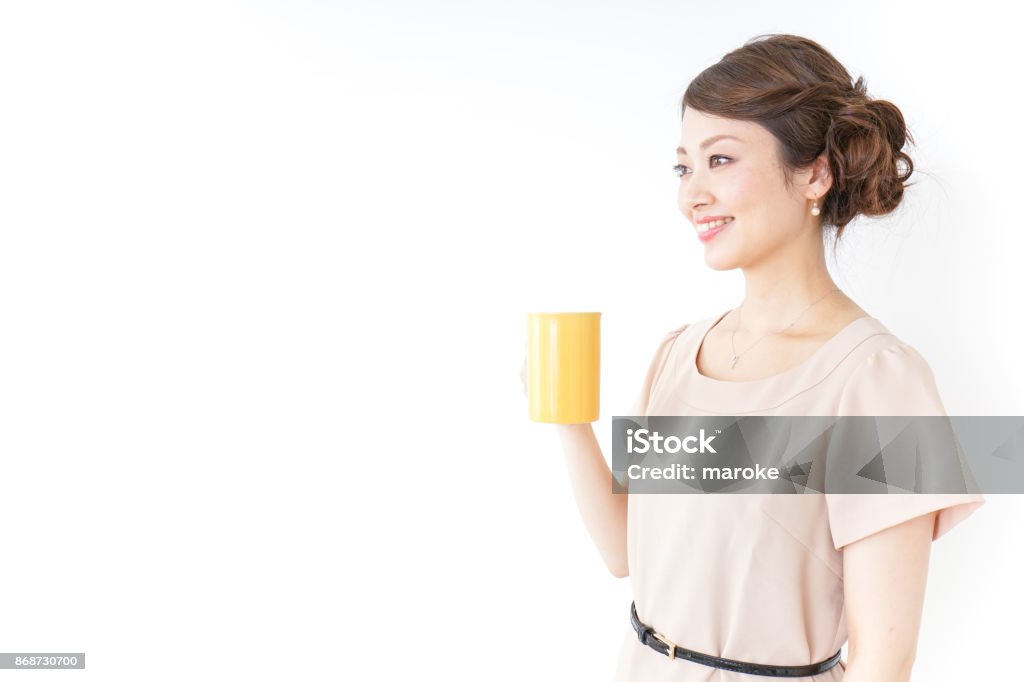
[264, 276]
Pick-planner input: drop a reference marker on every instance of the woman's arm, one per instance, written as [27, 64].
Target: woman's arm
[884, 584]
[603, 512]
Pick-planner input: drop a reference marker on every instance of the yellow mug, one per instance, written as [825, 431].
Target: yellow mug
[564, 367]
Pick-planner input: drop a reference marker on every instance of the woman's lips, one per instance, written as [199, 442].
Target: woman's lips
[705, 236]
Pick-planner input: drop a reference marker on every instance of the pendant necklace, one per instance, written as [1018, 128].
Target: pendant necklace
[736, 356]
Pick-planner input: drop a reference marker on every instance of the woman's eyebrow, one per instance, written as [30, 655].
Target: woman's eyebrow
[710, 141]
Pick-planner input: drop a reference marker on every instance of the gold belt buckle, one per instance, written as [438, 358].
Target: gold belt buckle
[667, 642]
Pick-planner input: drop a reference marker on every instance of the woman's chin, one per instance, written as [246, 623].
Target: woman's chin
[720, 261]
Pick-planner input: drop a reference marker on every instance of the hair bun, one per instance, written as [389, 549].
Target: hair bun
[864, 144]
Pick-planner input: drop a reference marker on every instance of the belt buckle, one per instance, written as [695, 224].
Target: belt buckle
[667, 642]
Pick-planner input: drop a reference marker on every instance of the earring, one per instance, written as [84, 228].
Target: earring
[814, 209]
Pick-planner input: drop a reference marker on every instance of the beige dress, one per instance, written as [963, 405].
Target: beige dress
[759, 577]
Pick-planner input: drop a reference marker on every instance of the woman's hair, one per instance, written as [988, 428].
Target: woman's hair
[798, 91]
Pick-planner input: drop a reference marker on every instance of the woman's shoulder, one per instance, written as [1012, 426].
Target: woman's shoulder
[886, 374]
[675, 342]
[678, 331]
[668, 340]
[884, 357]
[879, 346]
[693, 325]
[676, 337]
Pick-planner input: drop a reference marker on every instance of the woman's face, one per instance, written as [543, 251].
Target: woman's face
[740, 179]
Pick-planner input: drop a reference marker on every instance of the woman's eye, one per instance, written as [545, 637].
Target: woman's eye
[678, 168]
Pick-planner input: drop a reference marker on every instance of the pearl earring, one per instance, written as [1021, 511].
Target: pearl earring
[814, 209]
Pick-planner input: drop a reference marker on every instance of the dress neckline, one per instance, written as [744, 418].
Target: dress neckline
[683, 387]
[834, 341]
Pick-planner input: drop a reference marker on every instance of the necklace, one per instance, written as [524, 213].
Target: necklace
[736, 356]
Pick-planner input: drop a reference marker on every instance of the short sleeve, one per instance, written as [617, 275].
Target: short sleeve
[893, 381]
[642, 403]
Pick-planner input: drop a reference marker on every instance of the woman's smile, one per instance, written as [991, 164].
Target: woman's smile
[704, 232]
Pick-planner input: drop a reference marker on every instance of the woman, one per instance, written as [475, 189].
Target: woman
[777, 147]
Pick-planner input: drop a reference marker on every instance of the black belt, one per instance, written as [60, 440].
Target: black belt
[664, 646]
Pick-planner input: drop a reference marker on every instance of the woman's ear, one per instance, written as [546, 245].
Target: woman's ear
[821, 176]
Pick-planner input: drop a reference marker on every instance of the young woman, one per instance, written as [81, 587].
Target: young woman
[777, 147]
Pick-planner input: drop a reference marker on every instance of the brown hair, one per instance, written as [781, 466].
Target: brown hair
[804, 97]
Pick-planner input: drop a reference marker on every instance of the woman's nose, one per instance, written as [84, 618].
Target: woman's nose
[693, 194]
